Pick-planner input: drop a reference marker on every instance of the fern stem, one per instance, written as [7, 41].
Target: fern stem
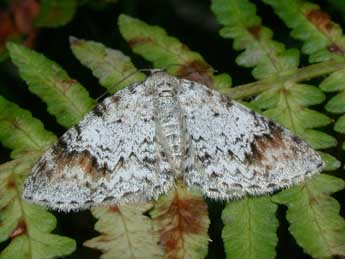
[301, 74]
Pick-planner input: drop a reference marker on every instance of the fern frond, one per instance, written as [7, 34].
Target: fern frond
[285, 102]
[65, 97]
[108, 65]
[125, 233]
[20, 132]
[250, 228]
[314, 216]
[335, 83]
[323, 38]
[243, 25]
[153, 43]
[181, 217]
[289, 109]
[55, 13]
[28, 226]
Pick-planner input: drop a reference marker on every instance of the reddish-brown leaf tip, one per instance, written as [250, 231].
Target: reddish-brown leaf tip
[320, 19]
[198, 71]
[19, 230]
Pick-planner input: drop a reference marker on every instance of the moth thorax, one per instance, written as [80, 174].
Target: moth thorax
[171, 130]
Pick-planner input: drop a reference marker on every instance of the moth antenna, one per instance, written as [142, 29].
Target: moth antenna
[117, 83]
[151, 70]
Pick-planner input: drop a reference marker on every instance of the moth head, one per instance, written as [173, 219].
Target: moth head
[161, 84]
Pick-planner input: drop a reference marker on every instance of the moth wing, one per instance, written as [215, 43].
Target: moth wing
[236, 151]
[110, 157]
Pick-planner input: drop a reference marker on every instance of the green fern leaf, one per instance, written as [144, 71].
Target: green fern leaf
[331, 162]
[113, 69]
[65, 97]
[250, 228]
[314, 216]
[323, 39]
[20, 132]
[244, 26]
[333, 83]
[26, 224]
[153, 43]
[125, 233]
[290, 113]
[285, 101]
[54, 13]
[181, 217]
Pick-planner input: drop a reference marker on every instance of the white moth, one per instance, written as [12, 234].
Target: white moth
[137, 143]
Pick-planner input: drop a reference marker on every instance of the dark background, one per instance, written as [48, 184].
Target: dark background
[193, 23]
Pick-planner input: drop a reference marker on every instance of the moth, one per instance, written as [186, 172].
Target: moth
[137, 143]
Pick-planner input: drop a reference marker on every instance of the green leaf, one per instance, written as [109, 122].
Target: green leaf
[332, 163]
[54, 13]
[339, 126]
[288, 109]
[337, 103]
[323, 39]
[300, 94]
[306, 95]
[243, 25]
[222, 81]
[27, 225]
[266, 100]
[314, 216]
[153, 44]
[125, 233]
[181, 217]
[285, 101]
[21, 132]
[250, 228]
[113, 69]
[333, 83]
[318, 139]
[65, 97]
